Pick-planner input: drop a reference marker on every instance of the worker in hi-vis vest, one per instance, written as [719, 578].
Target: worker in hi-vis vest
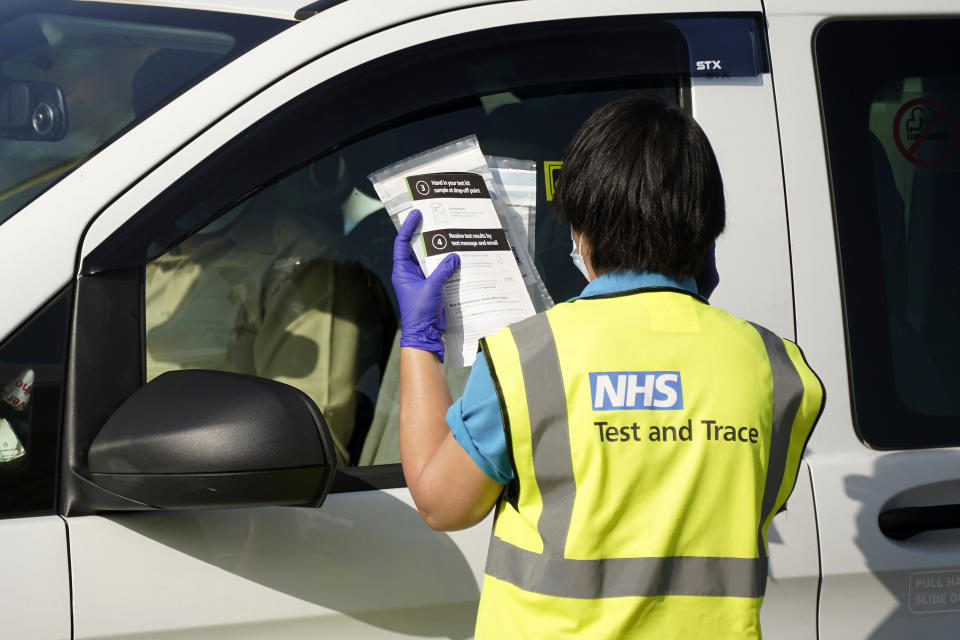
[636, 441]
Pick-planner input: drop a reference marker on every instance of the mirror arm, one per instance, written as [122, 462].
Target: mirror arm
[96, 499]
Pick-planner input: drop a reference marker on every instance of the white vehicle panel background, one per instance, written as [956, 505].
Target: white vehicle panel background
[35, 599]
[865, 574]
[362, 566]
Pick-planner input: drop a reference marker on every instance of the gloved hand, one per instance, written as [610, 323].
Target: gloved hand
[422, 321]
[708, 278]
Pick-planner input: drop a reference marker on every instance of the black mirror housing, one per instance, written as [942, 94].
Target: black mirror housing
[211, 439]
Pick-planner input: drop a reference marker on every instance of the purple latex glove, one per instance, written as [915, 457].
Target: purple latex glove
[708, 278]
[422, 321]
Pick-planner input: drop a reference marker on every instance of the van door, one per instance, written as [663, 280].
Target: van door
[882, 315]
[260, 247]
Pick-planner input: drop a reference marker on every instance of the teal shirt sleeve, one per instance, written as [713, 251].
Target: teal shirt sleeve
[475, 422]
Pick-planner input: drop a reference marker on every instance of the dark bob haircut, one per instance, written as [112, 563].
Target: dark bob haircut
[640, 181]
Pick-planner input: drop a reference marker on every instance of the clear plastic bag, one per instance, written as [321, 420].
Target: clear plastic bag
[516, 183]
[465, 211]
[464, 155]
[517, 179]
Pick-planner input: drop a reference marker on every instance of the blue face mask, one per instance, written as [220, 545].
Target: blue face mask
[577, 258]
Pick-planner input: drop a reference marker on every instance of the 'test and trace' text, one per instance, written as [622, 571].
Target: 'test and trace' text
[657, 390]
[684, 432]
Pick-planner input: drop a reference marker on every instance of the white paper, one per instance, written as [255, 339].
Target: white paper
[488, 292]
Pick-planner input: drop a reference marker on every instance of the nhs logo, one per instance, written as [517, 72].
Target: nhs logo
[636, 390]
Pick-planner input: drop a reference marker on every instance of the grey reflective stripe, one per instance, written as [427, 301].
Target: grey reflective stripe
[547, 407]
[620, 577]
[787, 394]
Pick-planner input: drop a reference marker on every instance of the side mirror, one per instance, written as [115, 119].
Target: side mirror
[210, 439]
[32, 110]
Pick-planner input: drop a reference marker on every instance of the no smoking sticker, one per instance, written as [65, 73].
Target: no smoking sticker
[926, 133]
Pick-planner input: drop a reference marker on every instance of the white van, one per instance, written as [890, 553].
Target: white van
[183, 189]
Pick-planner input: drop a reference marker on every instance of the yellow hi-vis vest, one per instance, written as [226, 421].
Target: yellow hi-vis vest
[653, 438]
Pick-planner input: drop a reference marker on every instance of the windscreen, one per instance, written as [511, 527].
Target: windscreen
[75, 75]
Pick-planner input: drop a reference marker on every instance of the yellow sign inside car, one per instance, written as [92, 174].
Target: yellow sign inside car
[551, 173]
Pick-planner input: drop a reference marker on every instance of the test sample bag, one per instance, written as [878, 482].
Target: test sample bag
[455, 191]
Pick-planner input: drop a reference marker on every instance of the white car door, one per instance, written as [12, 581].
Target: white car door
[293, 158]
[878, 306]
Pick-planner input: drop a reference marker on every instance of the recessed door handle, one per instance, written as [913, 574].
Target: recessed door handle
[905, 522]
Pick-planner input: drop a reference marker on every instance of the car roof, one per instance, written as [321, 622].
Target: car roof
[284, 9]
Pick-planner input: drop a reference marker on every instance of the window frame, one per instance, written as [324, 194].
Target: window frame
[127, 246]
[120, 249]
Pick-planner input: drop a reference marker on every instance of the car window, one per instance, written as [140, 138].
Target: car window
[73, 75]
[293, 281]
[273, 257]
[31, 375]
[891, 102]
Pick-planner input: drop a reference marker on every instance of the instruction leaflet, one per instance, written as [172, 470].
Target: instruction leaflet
[487, 293]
